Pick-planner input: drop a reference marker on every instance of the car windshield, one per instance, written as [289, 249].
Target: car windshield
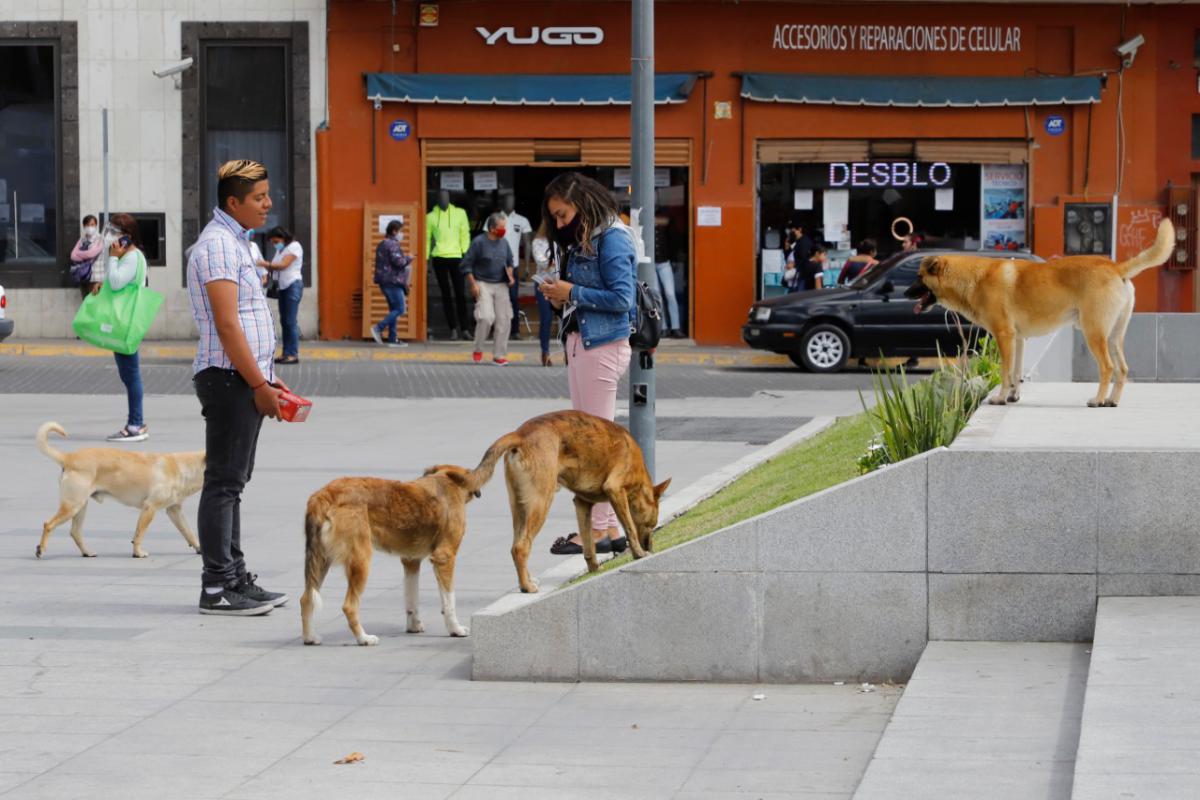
[873, 273]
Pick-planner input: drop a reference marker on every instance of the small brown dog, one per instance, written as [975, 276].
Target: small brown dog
[349, 518]
[596, 459]
[149, 481]
[1015, 300]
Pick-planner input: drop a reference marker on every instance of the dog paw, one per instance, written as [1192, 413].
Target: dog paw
[460, 632]
[195, 548]
[1109, 404]
[38, 551]
[1094, 404]
[315, 640]
[532, 588]
[415, 626]
[88, 554]
[140, 554]
[368, 640]
[1013, 398]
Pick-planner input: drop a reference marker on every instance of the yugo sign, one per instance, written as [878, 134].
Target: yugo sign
[552, 36]
[865, 174]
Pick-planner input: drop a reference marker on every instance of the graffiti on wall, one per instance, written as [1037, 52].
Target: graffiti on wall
[1137, 232]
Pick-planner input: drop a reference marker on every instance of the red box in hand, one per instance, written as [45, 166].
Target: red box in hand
[293, 408]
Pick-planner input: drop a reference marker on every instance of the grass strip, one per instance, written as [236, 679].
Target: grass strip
[825, 460]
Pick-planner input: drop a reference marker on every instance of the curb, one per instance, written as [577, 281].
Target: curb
[425, 355]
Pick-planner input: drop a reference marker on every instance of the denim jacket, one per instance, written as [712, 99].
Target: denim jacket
[604, 286]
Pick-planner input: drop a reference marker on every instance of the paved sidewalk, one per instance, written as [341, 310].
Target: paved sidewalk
[111, 685]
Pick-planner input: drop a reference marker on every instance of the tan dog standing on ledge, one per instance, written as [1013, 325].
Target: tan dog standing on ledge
[349, 518]
[1015, 300]
[595, 459]
[149, 481]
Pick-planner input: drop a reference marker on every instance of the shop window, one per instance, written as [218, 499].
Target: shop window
[1196, 136]
[29, 155]
[245, 111]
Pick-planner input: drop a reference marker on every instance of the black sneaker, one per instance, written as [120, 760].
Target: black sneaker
[232, 604]
[247, 587]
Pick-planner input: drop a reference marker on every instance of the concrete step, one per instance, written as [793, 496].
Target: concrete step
[983, 720]
[1140, 734]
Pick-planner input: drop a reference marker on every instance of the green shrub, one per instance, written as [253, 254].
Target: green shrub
[913, 418]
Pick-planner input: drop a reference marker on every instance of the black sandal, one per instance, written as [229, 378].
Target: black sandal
[288, 360]
[563, 546]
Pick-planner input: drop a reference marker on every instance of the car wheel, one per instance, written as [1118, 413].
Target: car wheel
[824, 348]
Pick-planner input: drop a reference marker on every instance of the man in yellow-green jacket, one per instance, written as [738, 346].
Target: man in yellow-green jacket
[447, 237]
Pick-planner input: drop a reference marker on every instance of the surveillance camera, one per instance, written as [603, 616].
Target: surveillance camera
[1128, 49]
[173, 68]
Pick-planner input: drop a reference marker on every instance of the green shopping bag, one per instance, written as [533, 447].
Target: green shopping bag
[118, 320]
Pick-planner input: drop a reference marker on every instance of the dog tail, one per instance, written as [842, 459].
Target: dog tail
[42, 444]
[1158, 252]
[487, 466]
[316, 560]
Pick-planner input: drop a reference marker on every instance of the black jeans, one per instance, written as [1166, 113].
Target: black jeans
[231, 426]
[449, 276]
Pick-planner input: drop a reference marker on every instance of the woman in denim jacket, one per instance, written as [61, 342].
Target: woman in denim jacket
[596, 294]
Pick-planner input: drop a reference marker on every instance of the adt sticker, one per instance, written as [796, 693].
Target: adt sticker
[399, 130]
[1055, 125]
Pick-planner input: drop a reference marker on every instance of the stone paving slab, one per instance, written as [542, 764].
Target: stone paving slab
[124, 690]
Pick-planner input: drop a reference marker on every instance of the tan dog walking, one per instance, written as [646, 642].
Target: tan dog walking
[595, 459]
[149, 481]
[1015, 300]
[349, 518]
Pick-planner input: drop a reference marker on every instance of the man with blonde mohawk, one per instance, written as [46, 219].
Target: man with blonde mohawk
[235, 382]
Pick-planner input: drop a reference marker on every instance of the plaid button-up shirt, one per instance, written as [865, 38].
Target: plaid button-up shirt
[223, 254]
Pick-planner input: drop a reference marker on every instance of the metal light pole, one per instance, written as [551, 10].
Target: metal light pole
[641, 376]
[104, 158]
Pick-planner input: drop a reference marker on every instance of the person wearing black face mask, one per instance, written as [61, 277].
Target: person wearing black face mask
[447, 237]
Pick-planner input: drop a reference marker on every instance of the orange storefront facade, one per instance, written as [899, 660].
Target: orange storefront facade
[735, 168]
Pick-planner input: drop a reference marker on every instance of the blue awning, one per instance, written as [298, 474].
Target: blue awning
[522, 90]
[915, 90]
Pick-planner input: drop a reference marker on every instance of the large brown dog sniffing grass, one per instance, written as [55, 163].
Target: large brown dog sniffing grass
[595, 459]
[149, 481]
[349, 518]
[1015, 300]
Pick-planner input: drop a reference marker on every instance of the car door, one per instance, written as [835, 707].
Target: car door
[884, 320]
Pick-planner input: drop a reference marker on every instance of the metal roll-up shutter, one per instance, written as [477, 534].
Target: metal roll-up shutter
[992, 151]
[477, 152]
[794, 151]
[615, 152]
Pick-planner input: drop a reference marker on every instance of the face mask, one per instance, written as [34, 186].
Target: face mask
[276, 247]
[398, 235]
[443, 204]
[568, 234]
[90, 231]
[500, 232]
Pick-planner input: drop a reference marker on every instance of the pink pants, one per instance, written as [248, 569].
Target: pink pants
[594, 375]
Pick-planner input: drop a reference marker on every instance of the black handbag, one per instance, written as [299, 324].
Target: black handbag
[272, 288]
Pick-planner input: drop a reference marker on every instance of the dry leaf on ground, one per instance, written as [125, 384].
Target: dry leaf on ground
[353, 758]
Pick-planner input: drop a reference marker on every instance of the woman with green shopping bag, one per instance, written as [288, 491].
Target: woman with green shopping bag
[127, 265]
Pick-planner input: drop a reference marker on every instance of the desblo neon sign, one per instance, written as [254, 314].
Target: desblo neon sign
[865, 174]
[552, 36]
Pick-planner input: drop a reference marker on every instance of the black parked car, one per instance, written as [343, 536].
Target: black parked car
[822, 330]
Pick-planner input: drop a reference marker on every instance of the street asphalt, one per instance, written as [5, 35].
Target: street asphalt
[111, 685]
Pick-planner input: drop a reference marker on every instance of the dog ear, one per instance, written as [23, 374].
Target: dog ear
[661, 489]
[931, 265]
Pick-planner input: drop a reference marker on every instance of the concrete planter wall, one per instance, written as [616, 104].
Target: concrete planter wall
[851, 583]
[1159, 347]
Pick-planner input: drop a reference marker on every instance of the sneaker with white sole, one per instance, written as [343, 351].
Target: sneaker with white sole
[230, 603]
[397, 344]
[247, 586]
[375, 335]
[500, 362]
[129, 434]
